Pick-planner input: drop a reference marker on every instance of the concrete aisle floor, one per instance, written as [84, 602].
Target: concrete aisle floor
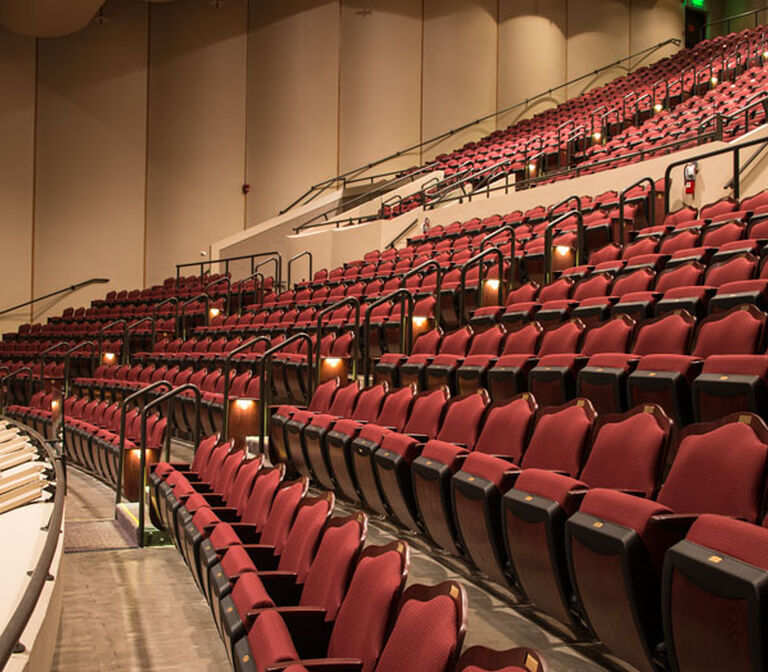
[138, 609]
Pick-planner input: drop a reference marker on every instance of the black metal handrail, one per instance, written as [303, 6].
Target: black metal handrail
[15, 374]
[67, 356]
[171, 299]
[182, 327]
[347, 301]
[265, 392]
[121, 441]
[168, 396]
[548, 234]
[429, 263]
[70, 288]
[226, 260]
[406, 332]
[326, 183]
[391, 244]
[476, 260]
[734, 149]
[513, 247]
[11, 634]
[129, 328]
[727, 20]
[551, 211]
[227, 367]
[295, 258]
[104, 329]
[44, 355]
[278, 263]
[258, 289]
[651, 207]
[746, 164]
[228, 294]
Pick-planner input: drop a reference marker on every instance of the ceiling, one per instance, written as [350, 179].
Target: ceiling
[47, 18]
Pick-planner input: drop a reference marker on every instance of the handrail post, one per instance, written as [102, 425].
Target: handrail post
[227, 367]
[405, 296]
[129, 329]
[265, 392]
[15, 374]
[228, 281]
[736, 173]
[103, 330]
[258, 289]
[347, 301]
[43, 355]
[477, 259]
[430, 263]
[183, 311]
[651, 209]
[548, 235]
[305, 253]
[513, 248]
[143, 447]
[67, 356]
[121, 442]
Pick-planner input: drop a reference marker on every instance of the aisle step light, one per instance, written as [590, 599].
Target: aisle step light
[244, 418]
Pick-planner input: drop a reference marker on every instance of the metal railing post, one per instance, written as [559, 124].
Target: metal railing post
[227, 367]
[405, 297]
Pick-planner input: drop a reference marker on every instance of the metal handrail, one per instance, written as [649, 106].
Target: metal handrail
[265, 393]
[172, 299]
[429, 263]
[446, 134]
[103, 330]
[9, 638]
[565, 201]
[226, 279]
[71, 288]
[67, 356]
[747, 164]
[495, 251]
[42, 357]
[131, 327]
[175, 392]
[277, 276]
[405, 296]
[548, 233]
[249, 343]
[305, 253]
[121, 441]
[513, 248]
[225, 261]
[258, 289]
[735, 149]
[347, 301]
[651, 209]
[15, 374]
[391, 244]
[182, 328]
[665, 82]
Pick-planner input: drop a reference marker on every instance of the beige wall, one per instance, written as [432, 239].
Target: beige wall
[90, 158]
[293, 100]
[196, 149]
[17, 119]
[148, 124]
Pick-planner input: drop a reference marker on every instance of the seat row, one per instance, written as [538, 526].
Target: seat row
[583, 514]
[292, 587]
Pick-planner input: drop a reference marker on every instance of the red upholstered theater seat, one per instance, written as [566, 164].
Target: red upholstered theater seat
[482, 659]
[713, 596]
[323, 588]
[603, 380]
[619, 540]
[358, 632]
[440, 458]
[392, 461]
[509, 374]
[626, 454]
[424, 349]
[666, 379]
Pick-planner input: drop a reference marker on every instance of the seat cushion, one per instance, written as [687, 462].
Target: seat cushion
[488, 467]
[548, 484]
[271, 641]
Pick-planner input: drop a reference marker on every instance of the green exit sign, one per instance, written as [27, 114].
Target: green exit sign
[698, 4]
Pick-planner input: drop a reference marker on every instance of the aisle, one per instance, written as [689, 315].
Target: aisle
[131, 609]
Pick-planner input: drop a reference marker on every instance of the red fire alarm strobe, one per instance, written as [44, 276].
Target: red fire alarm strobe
[690, 172]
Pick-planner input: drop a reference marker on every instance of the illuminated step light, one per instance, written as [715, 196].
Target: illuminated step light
[562, 250]
[658, 107]
[597, 136]
[245, 404]
[419, 321]
[492, 283]
[714, 80]
[333, 362]
[214, 312]
[108, 358]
